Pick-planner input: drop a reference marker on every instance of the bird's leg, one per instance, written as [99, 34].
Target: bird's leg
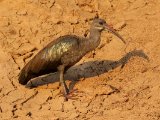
[62, 81]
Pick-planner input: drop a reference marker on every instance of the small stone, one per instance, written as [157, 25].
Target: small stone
[83, 110]
[55, 20]
[29, 114]
[27, 57]
[12, 31]
[144, 70]
[73, 115]
[51, 3]
[20, 62]
[59, 104]
[25, 48]
[21, 12]
[55, 118]
[71, 19]
[130, 106]
[69, 105]
[104, 90]
[120, 25]
[1, 87]
[4, 22]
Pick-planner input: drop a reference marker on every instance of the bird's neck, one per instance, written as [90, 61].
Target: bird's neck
[91, 43]
[94, 38]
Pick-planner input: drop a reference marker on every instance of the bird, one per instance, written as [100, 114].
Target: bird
[64, 52]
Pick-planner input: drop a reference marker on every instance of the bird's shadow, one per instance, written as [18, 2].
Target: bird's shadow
[86, 70]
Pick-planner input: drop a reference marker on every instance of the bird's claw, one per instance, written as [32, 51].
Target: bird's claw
[72, 94]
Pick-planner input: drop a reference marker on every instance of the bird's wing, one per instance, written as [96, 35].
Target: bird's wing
[49, 58]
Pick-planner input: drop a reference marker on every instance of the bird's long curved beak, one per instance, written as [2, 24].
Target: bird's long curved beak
[107, 27]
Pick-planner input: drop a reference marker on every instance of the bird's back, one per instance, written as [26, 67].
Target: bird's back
[49, 58]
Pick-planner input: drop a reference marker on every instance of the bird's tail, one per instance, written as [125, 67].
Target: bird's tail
[24, 76]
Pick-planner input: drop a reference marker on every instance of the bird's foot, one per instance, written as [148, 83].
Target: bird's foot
[72, 94]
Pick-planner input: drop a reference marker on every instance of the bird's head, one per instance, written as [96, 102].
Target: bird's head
[101, 25]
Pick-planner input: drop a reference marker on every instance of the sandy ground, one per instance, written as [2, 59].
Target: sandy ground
[117, 82]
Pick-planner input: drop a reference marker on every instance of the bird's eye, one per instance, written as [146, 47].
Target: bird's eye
[101, 23]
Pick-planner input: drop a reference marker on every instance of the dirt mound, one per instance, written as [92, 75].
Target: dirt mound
[117, 82]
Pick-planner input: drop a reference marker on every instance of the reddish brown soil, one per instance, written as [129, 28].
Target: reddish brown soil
[117, 83]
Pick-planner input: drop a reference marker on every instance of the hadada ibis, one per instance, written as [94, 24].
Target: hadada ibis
[62, 53]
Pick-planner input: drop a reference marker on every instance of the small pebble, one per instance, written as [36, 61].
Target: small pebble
[22, 12]
[120, 25]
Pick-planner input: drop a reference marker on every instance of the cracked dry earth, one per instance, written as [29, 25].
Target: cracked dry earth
[116, 81]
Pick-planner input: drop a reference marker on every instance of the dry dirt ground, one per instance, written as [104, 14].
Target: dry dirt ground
[116, 82]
